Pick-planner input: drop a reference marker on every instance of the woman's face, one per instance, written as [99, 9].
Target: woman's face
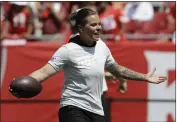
[92, 29]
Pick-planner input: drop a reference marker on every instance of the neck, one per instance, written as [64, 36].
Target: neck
[87, 42]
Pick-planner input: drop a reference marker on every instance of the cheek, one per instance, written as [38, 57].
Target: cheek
[89, 31]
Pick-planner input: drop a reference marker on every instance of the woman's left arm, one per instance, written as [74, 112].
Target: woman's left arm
[121, 71]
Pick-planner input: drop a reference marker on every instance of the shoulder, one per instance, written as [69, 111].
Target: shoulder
[66, 46]
[101, 43]
[69, 47]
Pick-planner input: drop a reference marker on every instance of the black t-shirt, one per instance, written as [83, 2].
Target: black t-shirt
[76, 39]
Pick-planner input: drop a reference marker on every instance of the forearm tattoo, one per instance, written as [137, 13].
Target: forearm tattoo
[121, 71]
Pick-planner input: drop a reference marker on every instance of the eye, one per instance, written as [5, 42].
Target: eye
[99, 24]
[93, 24]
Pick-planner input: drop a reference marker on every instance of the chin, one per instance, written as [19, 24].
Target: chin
[96, 39]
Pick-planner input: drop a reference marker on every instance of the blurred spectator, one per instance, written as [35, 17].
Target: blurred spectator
[139, 11]
[170, 17]
[75, 5]
[117, 18]
[119, 5]
[19, 19]
[138, 14]
[92, 5]
[162, 23]
[166, 19]
[143, 20]
[51, 16]
[37, 23]
[171, 8]
[3, 33]
[110, 19]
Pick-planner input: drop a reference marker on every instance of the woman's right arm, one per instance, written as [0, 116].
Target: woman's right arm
[54, 65]
[43, 73]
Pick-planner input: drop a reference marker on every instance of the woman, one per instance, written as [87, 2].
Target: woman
[123, 83]
[83, 61]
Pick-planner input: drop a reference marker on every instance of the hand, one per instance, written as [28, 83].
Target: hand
[109, 76]
[155, 79]
[122, 82]
[122, 85]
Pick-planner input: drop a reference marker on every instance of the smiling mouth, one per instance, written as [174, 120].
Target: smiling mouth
[97, 34]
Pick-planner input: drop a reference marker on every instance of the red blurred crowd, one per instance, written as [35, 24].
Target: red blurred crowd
[23, 19]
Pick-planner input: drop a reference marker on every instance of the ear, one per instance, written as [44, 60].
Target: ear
[80, 28]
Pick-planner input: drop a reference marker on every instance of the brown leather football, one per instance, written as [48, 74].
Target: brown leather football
[25, 87]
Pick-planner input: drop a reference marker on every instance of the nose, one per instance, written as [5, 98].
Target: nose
[98, 28]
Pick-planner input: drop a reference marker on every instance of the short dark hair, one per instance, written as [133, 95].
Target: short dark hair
[78, 17]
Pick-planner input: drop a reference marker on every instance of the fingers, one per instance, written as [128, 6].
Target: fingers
[122, 90]
[123, 87]
[114, 81]
[161, 79]
[157, 79]
[114, 78]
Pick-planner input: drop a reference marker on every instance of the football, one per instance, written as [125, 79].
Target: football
[25, 87]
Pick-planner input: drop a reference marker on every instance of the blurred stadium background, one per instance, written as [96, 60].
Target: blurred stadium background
[140, 35]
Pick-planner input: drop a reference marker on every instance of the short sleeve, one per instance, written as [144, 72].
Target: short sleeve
[109, 60]
[59, 59]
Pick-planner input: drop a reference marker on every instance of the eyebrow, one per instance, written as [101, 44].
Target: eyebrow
[95, 23]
